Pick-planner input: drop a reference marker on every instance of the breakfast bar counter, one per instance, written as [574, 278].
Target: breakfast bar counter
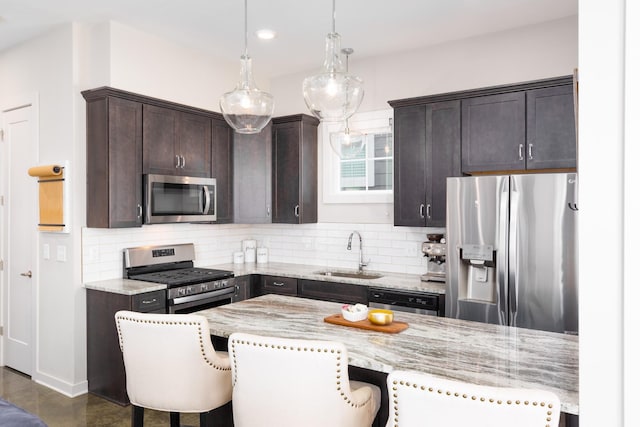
[450, 348]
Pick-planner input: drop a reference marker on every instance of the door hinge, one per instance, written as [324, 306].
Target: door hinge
[1, 265]
[1, 200]
[1, 331]
[1, 134]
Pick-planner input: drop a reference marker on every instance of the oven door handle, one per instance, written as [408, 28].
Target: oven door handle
[206, 295]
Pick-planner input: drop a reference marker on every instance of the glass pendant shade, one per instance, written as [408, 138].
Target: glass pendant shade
[347, 144]
[333, 94]
[247, 109]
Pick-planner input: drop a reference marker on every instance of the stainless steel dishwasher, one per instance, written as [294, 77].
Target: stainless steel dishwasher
[410, 301]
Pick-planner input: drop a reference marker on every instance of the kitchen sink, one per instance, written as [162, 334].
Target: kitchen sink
[349, 274]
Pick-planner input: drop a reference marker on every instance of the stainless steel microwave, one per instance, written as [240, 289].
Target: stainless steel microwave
[171, 199]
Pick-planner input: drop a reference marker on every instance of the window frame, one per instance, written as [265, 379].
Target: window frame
[365, 122]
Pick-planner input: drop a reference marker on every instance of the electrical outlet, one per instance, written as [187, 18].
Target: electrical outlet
[46, 254]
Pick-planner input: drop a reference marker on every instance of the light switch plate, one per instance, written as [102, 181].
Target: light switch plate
[46, 253]
[61, 253]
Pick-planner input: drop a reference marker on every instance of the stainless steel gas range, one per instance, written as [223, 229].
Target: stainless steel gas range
[189, 288]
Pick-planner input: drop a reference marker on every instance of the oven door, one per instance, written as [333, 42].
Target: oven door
[197, 302]
[170, 199]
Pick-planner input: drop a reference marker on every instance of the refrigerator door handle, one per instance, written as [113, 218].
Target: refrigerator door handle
[503, 219]
[513, 253]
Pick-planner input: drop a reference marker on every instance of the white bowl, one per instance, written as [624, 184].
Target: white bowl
[354, 316]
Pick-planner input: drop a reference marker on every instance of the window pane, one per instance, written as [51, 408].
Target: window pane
[383, 175]
[383, 145]
[352, 175]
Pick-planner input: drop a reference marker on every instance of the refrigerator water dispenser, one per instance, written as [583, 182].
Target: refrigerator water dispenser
[477, 264]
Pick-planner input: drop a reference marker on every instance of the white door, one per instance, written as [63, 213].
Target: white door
[19, 224]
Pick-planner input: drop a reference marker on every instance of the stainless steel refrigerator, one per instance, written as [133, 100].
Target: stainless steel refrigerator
[512, 250]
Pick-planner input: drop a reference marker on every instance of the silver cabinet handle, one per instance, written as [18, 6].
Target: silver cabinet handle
[27, 274]
[296, 211]
[182, 162]
[177, 161]
[421, 210]
[520, 148]
[139, 211]
[429, 211]
[530, 151]
[268, 211]
[149, 301]
[278, 284]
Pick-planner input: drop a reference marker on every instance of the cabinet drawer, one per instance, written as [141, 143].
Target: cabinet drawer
[332, 291]
[149, 301]
[279, 285]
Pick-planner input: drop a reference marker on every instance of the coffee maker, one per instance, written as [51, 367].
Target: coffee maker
[435, 248]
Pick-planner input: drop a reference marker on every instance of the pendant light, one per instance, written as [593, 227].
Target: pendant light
[333, 95]
[247, 109]
[347, 144]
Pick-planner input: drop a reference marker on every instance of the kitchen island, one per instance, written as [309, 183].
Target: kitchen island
[456, 349]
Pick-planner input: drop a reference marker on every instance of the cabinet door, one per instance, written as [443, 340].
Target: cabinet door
[252, 177]
[493, 133]
[114, 163]
[443, 157]
[222, 169]
[551, 132]
[332, 291]
[193, 136]
[286, 173]
[409, 166]
[158, 140]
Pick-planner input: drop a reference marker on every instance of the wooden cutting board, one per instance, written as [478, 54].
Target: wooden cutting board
[392, 328]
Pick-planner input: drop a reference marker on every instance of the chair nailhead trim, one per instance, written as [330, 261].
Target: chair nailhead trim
[234, 343]
[176, 323]
[456, 394]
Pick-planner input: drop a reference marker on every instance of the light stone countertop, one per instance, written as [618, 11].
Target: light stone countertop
[409, 282]
[456, 349]
[124, 286]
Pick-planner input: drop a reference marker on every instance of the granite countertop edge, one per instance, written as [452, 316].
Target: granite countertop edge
[389, 280]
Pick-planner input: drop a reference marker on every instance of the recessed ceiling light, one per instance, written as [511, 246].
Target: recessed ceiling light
[266, 34]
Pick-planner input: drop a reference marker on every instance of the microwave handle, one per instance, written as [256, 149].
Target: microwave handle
[207, 199]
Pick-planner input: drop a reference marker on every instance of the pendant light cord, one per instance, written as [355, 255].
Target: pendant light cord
[333, 26]
[246, 31]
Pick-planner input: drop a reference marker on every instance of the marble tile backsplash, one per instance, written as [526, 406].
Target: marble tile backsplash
[386, 247]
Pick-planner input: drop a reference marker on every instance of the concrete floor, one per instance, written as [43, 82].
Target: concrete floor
[58, 410]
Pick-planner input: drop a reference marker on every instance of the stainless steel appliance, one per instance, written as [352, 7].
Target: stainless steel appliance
[189, 288]
[436, 250]
[171, 199]
[512, 250]
[408, 301]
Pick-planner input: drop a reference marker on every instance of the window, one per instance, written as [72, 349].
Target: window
[368, 177]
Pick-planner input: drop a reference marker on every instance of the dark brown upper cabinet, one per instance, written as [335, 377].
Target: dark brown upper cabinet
[252, 177]
[426, 152]
[130, 134]
[295, 169]
[531, 128]
[176, 142]
[114, 160]
[222, 169]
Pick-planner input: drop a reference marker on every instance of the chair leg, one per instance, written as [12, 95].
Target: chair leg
[137, 416]
[174, 418]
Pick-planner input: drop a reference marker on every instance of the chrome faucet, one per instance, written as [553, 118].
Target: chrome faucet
[361, 263]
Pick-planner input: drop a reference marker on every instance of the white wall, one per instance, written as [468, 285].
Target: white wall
[528, 53]
[45, 66]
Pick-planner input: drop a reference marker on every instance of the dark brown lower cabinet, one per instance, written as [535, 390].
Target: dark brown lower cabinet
[276, 285]
[105, 367]
[332, 291]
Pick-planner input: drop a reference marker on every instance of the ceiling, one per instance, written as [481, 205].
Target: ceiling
[370, 27]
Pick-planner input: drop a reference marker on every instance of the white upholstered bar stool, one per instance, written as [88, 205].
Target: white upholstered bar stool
[295, 382]
[417, 399]
[171, 366]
